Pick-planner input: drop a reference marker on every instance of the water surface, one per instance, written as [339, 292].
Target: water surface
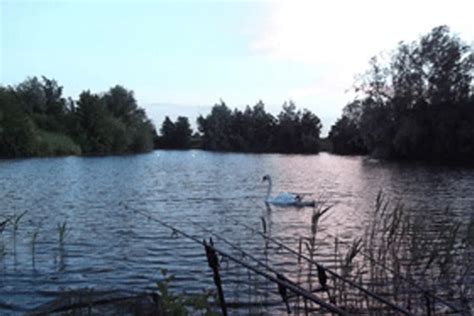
[108, 246]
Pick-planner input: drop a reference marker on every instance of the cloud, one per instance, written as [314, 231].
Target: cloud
[347, 33]
[335, 39]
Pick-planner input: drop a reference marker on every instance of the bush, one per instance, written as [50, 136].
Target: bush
[54, 144]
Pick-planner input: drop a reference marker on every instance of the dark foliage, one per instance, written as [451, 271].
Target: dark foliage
[420, 105]
[345, 133]
[175, 135]
[255, 130]
[36, 120]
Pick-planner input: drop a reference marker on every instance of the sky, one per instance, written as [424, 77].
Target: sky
[180, 57]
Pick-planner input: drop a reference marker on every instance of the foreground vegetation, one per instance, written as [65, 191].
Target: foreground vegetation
[418, 105]
[36, 120]
[421, 264]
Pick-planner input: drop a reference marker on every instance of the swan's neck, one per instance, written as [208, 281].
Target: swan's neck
[269, 190]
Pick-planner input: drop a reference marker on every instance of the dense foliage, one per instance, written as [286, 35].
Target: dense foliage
[36, 120]
[175, 135]
[255, 130]
[420, 105]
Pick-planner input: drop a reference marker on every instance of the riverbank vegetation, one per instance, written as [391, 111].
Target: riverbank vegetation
[175, 135]
[36, 120]
[252, 130]
[255, 130]
[416, 104]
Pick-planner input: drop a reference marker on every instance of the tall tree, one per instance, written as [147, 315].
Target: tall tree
[416, 106]
[17, 131]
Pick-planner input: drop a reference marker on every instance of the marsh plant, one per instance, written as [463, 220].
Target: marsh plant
[183, 304]
[34, 238]
[16, 221]
[16, 225]
[311, 241]
[308, 247]
[62, 232]
[423, 261]
[347, 265]
[3, 251]
[424, 264]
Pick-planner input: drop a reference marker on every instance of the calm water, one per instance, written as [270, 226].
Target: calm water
[110, 247]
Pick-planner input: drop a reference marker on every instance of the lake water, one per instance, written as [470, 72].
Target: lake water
[108, 246]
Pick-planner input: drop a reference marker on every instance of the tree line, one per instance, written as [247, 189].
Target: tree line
[251, 130]
[255, 130]
[417, 105]
[37, 120]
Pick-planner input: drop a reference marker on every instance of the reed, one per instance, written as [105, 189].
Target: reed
[62, 232]
[183, 304]
[3, 251]
[405, 247]
[34, 238]
[418, 262]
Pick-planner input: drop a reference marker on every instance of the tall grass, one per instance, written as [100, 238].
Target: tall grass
[421, 260]
[62, 232]
[426, 248]
[53, 144]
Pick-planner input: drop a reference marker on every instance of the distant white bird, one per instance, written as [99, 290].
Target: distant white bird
[285, 198]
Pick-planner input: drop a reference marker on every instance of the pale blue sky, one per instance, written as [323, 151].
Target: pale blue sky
[183, 56]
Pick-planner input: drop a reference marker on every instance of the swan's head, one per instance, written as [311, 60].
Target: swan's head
[266, 178]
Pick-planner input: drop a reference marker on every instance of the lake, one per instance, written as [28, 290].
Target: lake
[108, 246]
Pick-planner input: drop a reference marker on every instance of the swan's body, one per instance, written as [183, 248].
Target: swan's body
[285, 198]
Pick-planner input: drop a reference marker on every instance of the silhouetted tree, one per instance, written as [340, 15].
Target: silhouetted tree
[255, 130]
[183, 132]
[345, 134]
[216, 128]
[17, 131]
[419, 105]
[175, 135]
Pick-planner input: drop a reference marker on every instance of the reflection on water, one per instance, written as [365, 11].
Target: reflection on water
[108, 246]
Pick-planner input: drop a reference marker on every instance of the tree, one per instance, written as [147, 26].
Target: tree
[255, 130]
[310, 130]
[167, 134]
[417, 106]
[93, 136]
[345, 134]
[17, 131]
[288, 134]
[183, 132]
[215, 128]
[175, 135]
[31, 96]
[35, 119]
[121, 103]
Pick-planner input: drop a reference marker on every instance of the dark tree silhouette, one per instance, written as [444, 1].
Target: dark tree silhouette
[175, 135]
[418, 106]
[255, 130]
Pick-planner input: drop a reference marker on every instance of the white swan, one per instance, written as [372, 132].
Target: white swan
[285, 198]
